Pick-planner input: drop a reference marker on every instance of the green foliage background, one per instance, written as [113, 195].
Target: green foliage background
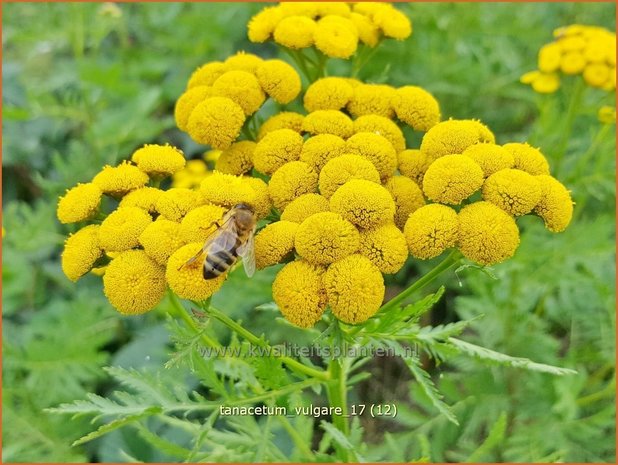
[82, 88]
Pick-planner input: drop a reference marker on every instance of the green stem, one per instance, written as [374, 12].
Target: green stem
[298, 440]
[572, 111]
[298, 58]
[182, 313]
[337, 397]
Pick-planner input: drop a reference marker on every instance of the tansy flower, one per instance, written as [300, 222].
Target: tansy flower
[216, 121]
[199, 223]
[514, 191]
[490, 157]
[542, 83]
[120, 231]
[121, 179]
[145, 198]
[354, 288]
[454, 136]
[336, 37]
[81, 251]
[276, 149]
[279, 80]
[295, 32]
[368, 32]
[308, 9]
[283, 120]
[320, 149]
[431, 230]
[328, 122]
[226, 190]
[299, 294]
[187, 102]
[363, 203]
[487, 234]
[206, 74]
[133, 283]
[385, 246]
[260, 201]
[413, 163]
[416, 107]
[79, 203]
[549, 57]
[326, 237]
[555, 205]
[383, 127]
[607, 114]
[571, 43]
[186, 280]
[262, 25]
[407, 195]
[274, 242]
[175, 203]
[237, 159]
[161, 239]
[243, 61]
[158, 160]
[330, 93]
[596, 74]
[191, 176]
[452, 179]
[302, 207]
[291, 180]
[342, 169]
[375, 148]
[372, 99]
[242, 88]
[527, 158]
[393, 22]
[572, 63]
[332, 8]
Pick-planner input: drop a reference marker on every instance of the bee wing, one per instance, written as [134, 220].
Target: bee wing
[247, 252]
[212, 237]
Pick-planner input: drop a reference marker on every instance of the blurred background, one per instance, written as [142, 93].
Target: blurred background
[86, 84]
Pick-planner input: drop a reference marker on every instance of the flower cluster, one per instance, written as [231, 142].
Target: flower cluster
[589, 51]
[333, 28]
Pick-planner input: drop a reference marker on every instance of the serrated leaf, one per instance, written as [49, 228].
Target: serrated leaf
[493, 440]
[115, 424]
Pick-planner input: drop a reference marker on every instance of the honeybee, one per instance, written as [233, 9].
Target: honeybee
[232, 239]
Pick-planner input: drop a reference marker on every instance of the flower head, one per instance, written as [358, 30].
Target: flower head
[431, 230]
[260, 201]
[299, 294]
[363, 203]
[237, 159]
[161, 239]
[79, 203]
[326, 237]
[159, 160]
[329, 93]
[368, 32]
[242, 88]
[607, 114]
[413, 163]
[597, 74]
[175, 203]
[375, 148]
[303, 206]
[275, 149]
[226, 190]
[216, 121]
[385, 246]
[320, 149]
[145, 198]
[291, 180]
[490, 157]
[407, 195]
[514, 191]
[279, 80]
[283, 120]
[416, 107]
[393, 22]
[134, 283]
[383, 127]
[355, 288]
[543, 83]
[342, 169]
[487, 234]
[187, 102]
[243, 61]
[555, 205]
[121, 179]
[262, 25]
[336, 37]
[549, 57]
[274, 242]
[454, 136]
[372, 99]
[120, 231]
[328, 122]
[572, 63]
[452, 179]
[295, 32]
[192, 175]
[527, 158]
[199, 223]
[81, 251]
[206, 74]
[186, 280]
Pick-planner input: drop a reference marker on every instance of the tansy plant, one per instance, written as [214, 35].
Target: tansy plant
[342, 201]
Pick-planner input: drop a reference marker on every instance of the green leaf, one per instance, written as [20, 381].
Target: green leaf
[118, 423]
[493, 440]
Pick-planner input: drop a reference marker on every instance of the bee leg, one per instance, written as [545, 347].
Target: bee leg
[214, 223]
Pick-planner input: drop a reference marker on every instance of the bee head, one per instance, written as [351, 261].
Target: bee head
[244, 206]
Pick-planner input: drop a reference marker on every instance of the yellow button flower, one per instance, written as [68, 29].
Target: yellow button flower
[514, 191]
[413, 163]
[198, 224]
[263, 24]
[556, 205]
[487, 234]
[571, 43]
[242, 88]
[407, 195]
[282, 120]
[452, 178]
[368, 32]
[375, 148]
[393, 23]
[160, 239]
[372, 99]
[279, 80]
[81, 251]
[454, 136]
[299, 294]
[549, 57]
[187, 102]
[274, 242]
[302, 207]
[330, 93]
[320, 149]
[382, 126]
[120, 231]
[607, 114]
[596, 75]
[187, 280]
[595, 52]
[192, 175]
[237, 159]
[226, 190]
[336, 37]
[207, 74]
[490, 157]
[431, 230]
[175, 203]
[121, 179]
[145, 198]
[342, 169]
[546, 83]
[354, 288]
[295, 32]
[243, 61]
[308, 9]
[326, 237]
[260, 201]
[79, 203]
[291, 180]
[216, 121]
[385, 246]
[159, 160]
[416, 107]
[572, 63]
[133, 283]
[528, 158]
[328, 122]
[276, 149]
[363, 203]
